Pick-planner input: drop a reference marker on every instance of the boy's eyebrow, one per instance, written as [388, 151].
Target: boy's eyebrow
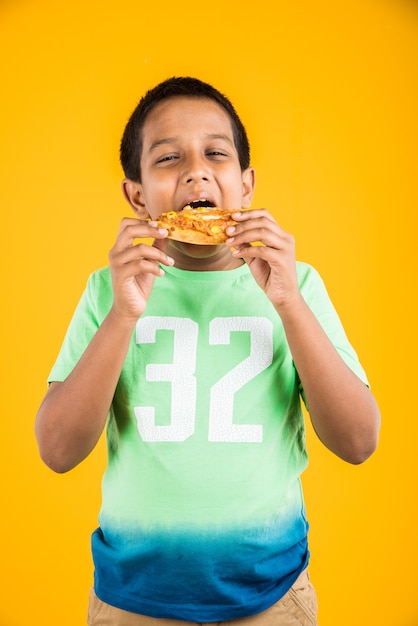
[221, 136]
[161, 142]
[169, 140]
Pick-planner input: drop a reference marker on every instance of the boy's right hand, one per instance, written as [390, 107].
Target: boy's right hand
[134, 266]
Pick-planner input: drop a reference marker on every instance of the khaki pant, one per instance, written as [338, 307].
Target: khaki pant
[297, 608]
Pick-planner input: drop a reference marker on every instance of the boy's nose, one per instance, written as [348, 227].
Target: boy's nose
[196, 171]
[197, 177]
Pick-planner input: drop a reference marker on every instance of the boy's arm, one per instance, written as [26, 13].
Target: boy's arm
[73, 413]
[343, 411]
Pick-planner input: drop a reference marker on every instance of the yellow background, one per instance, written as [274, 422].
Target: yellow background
[328, 92]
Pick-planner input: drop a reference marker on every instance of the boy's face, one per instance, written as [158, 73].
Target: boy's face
[189, 155]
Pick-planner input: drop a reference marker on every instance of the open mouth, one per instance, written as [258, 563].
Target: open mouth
[195, 204]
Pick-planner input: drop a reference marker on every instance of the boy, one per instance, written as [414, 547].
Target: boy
[195, 357]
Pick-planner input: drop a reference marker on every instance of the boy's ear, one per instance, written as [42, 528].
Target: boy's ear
[132, 192]
[248, 187]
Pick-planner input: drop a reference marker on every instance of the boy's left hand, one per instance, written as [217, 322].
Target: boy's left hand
[272, 263]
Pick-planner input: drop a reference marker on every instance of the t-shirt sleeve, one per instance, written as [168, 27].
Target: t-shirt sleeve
[316, 296]
[80, 332]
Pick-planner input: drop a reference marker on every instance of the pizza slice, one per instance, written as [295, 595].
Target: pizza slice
[202, 225]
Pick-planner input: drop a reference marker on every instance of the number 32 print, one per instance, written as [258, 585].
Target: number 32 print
[181, 374]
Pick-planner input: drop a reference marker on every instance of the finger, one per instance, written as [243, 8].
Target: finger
[144, 266]
[266, 245]
[250, 214]
[266, 236]
[139, 252]
[135, 268]
[249, 252]
[131, 229]
[260, 227]
[262, 222]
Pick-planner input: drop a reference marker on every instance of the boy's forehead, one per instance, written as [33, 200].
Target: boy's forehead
[181, 112]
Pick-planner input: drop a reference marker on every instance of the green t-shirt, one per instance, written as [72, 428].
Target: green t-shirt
[202, 516]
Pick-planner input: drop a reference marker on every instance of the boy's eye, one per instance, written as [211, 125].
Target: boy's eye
[216, 153]
[167, 157]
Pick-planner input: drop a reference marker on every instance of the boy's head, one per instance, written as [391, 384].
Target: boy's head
[131, 144]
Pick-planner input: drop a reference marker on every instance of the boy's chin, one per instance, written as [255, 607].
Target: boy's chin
[196, 251]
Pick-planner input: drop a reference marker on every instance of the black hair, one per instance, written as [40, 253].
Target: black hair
[131, 143]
